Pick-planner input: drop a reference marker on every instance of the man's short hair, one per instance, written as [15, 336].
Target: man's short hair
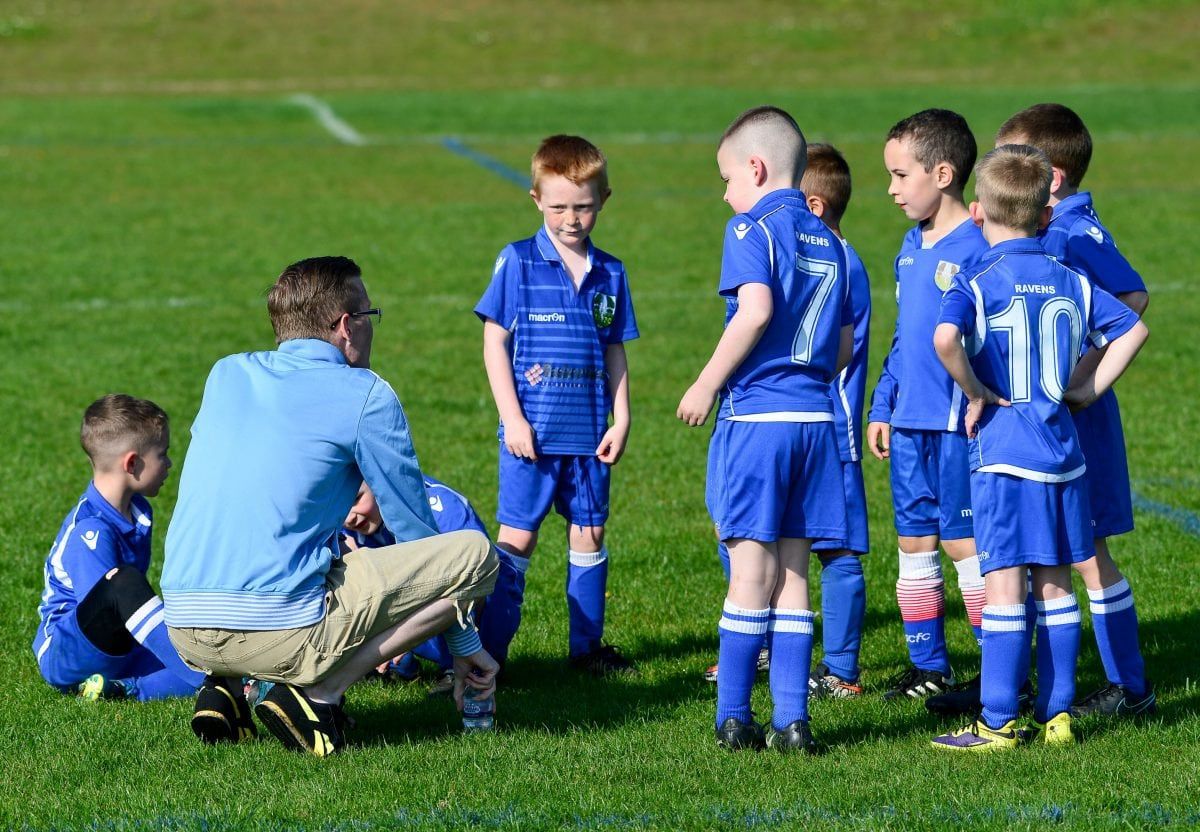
[1057, 131]
[771, 133]
[1012, 183]
[827, 176]
[572, 157]
[312, 293]
[937, 136]
[117, 423]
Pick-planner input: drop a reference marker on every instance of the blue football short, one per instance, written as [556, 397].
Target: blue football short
[69, 658]
[768, 480]
[577, 487]
[1102, 441]
[931, 485]
[857, 539]
[1020, 522]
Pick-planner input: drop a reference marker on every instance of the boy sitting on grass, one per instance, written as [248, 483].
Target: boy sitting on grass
[1022, 317]
[102, 633]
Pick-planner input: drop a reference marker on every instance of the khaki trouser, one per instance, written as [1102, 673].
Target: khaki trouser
[367, 591]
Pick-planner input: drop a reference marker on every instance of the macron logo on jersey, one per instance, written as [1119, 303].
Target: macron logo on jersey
[1096, 234]
[90, 539]
[742, 229]
[435, 503]
[547, 317]
[905, 261]
[812, 239]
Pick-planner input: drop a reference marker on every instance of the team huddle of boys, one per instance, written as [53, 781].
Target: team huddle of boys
[994, 408]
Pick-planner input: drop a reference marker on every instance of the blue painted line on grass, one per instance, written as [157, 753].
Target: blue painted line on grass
[1183, 518]
[521, 180]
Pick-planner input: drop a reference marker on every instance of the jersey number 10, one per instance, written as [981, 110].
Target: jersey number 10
[1056, 363]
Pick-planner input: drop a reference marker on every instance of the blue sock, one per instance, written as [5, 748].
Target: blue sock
[843, 605]
[159, 685]
[1058, 652]
[921, 594]
[723, 554]
[587, 578]
[742, 633]
[435, 650]
[790, 640]
[147, 628]
[501, 616]
[1005, 662]
[1115, 622]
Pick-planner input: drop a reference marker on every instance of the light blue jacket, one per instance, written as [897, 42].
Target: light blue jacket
[278, 450]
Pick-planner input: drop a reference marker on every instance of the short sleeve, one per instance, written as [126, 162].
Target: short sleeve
[746, 256]
[500, 300]
[958, 306]
[1092, 251]
[1108, 318]
[624, 325]
[89, 553]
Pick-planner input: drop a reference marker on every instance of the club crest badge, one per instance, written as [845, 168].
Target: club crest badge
[604, 307]
[944, 275]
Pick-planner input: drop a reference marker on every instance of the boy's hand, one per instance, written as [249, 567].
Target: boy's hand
[696, 404]
[1077, 398]
[477, 670]
[519, 439]
[879, 439]
[976, 406]
[612, 444]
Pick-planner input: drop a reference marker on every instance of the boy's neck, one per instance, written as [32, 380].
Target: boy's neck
[113, 488]
[997, 234]
[1062, 193]
[950, 214]
[836, 229]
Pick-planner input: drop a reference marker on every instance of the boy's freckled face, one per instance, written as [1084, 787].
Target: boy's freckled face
[570, 210]
[741, 191]
[913, 188]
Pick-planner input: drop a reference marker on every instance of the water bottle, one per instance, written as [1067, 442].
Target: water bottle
[477, 712]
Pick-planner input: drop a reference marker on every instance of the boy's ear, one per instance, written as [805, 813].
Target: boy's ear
[977, 215]
[1058, 180]
[130, 462]
[534, 194]
[943, 175]
[758, 169]
[1044, 220]
[604, 198]
[815, 204]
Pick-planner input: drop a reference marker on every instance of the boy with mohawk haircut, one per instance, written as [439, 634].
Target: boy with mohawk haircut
[916, 411]
[556, 317]
[1077, 238]
[1021, 317]
[774, 479]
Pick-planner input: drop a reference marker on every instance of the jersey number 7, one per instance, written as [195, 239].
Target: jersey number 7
[825, 273]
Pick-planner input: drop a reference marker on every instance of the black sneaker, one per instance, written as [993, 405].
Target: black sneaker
[915, 683]
[222, 713]
[603, 661]
[298, 722]
[822, 684]
[795, 737]
[735, 735]
[97, 687]
[1116, 700]
[964, 699]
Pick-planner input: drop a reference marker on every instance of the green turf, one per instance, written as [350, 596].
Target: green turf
[154, 179]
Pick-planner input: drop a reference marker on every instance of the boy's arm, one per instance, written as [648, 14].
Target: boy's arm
[755, 307]
[845, 349]
[612, 444]
[89, 554]
[947, 340]
[883, 402]
[518, 433]
[1092, 379]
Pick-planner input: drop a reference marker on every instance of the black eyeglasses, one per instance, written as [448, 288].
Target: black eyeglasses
[375, 313]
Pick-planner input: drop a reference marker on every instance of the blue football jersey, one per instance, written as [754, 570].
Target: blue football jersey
[452, 511]
[93, 539]
[849, 389]
[566, 331]
[1024, 317]
[1076, 238]
[914, 389]
[781, 244]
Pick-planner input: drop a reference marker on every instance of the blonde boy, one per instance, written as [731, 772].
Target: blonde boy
[556, 317]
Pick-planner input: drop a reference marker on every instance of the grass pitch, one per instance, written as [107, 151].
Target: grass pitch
[155, 178]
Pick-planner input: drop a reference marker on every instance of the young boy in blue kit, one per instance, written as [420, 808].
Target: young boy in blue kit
[1076, 237]
[556, 317]
[101, 632]
[916, 411]
[1022, 317]
[774, 479]
[826, 186]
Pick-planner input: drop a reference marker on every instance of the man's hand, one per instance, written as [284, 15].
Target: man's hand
[976, 406]
[612, 444]
[477, 670]
[879, 439]
[364, 516]
[696, 404]
[519, 439]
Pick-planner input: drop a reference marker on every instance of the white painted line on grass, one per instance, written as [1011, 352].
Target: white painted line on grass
[340, 130]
